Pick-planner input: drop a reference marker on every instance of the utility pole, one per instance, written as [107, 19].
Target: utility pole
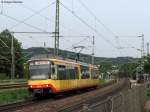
[142, 45]
[93, 45]
[56, 49]
[142, 54]
[12, 59]
[147, 49]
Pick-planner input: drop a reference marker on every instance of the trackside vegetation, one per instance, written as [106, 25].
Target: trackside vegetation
[10, 96]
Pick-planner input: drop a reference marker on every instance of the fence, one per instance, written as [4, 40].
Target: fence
[128, 100]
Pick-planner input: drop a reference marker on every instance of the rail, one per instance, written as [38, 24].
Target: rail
[94, 99]
[13, 106]
[24, 84]
[12, 86]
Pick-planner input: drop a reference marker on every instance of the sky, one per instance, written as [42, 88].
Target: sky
[115, 24]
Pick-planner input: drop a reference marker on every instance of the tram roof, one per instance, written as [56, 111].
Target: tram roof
[61, 59]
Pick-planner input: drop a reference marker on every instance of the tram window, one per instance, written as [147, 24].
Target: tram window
[66, 73]
[61, 72]
[76, 73]
[53, 71]
[72, 74]
[94, 74]
[49, 74]
[39, 71]
[85, 72]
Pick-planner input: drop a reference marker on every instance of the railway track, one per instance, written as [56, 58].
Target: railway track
[12, 86]
[20, 85]
[89, 101]
[13, 106]
[59, 104]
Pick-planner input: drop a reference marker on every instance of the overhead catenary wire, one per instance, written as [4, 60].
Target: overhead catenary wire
[22, 21]
[97, 19]
[49, 34]
[42, 33]
[35, 13]
[131, 46]
[100, 22]
[74, 36]
[81, 41]
[36, 42]
[77, 43]
[2, 7]
[72, 5]
[89, 26]
[95, 26]
[47, 18]
[84, 39]
[131, 36]
[107, 28]
[27, 24]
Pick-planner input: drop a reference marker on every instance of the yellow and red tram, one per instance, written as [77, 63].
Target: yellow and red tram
[57, 75]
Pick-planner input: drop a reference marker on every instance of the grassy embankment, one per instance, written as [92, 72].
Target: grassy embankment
[102, 81]
[10, 96]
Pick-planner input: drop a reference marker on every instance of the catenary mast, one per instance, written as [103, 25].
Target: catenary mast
[56, 49]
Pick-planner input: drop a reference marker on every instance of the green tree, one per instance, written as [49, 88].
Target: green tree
[104, 68]
[128, 70]
[147, 64]
[5, 54]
